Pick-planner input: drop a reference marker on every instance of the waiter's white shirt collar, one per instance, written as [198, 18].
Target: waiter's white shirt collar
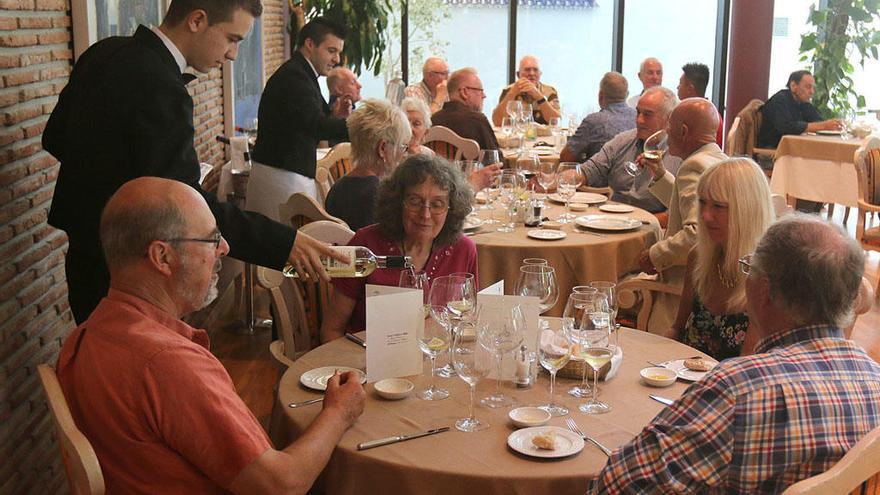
[175, 52]
[310, 65]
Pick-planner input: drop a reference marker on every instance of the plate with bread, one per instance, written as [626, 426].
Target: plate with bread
[545, 441]
[691, 369]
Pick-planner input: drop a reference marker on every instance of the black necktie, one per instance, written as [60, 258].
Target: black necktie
[187, 78]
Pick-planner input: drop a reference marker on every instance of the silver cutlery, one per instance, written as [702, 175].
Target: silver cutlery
[574, 427]
[662, 400]
[357, 340]
[399, 438]
[588, 232]
[294, 405]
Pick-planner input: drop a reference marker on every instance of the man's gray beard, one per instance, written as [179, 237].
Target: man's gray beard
[212, 292]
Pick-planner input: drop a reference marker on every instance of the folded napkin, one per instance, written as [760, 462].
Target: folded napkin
[238, 146]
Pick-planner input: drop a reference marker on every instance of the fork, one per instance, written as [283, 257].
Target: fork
[574, 427]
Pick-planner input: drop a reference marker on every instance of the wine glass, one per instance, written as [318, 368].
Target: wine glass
[460, 296]
[443, 290]
[501, 336]
[656, 145]
[534, 261]
[554, 351]
[486, 158]
[507, 125]
[471, 366]
[493, 192]
[538, 281]
[433, 340]
[510, 183]
[527, 164]
[546, 175]
[568, 179]
[416, 279]
[555, 131]
[596, 348]
[514, 109]
[468, 167]
[579, 304]
[609, 289]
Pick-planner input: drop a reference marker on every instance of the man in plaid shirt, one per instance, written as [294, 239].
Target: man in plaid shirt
[757, 424]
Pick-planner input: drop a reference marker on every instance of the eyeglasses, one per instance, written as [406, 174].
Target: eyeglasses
[214, 239]
[417, 204]
[439, 73]
[745, 263]
[475, 89]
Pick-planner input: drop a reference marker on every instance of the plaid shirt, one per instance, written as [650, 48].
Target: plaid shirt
[756, 424]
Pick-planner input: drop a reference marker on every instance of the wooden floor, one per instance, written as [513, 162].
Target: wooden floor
[247, 358]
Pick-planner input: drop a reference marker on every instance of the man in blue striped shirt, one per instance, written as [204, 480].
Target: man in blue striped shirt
[759, 423]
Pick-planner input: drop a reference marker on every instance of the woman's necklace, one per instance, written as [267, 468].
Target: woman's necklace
[726, 282]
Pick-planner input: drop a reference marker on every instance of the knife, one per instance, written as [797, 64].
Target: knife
[399, 438]
[357, 340]
[662, 400]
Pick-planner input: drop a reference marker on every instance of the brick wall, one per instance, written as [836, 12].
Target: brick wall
[35, 60]
[274, 34]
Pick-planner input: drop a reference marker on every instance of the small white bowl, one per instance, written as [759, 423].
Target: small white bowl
[526, 417]
[393, 388]
[655, 376]
[579, 206]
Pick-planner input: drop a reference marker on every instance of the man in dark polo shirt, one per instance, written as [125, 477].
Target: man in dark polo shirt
[790, 112]
[463, 113]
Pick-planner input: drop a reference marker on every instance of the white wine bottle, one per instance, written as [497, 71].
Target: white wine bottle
[362, 262]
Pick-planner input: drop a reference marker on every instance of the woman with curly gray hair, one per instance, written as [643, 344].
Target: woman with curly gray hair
[420, 208]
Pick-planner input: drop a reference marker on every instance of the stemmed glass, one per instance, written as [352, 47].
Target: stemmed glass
[609, 289]
[514, 109]
[457, 294]
[534, 261]
[554, 351]
[501, 337]
[433, 340]
[555, 131]
[578, 305]
[596, 348]
[466, 356]
[568, 178]
[655, 147]
[510, 182]
[538, 281]
[416, 279]
[546, 175]
[486, 158]
[528, 164]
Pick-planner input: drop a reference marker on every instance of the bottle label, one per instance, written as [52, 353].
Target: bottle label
[336, 267]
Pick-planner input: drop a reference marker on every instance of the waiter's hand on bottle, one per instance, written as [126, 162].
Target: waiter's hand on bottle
[306, 254]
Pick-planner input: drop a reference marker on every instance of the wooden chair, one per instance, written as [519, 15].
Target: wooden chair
[858, 472]
[301, 209]
[780, 206]
[446, 143]
[329, 169]
[637, 294]
[80, 461]
[867, 162]
[211, 182]
[742, 140]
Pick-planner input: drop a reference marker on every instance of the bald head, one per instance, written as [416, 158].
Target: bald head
[435, 71]
[693, 124]
[341, 81]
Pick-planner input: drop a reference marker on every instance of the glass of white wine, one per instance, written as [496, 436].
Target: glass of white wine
[573, 316]
[655, 147]
[433, 340]
[568, 179]
[554, 351]
[471, 365]
[597, 349]
[459, 294]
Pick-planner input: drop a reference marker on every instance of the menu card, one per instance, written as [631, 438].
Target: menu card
[495, 308]
[395, 318]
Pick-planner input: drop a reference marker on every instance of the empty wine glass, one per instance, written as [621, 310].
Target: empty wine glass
[471, 365]
[596, 348]
[538, 281]
[500, 336]
[514, 109]
[555, 131]
[510, 183]
[568, 179]
[554, 351]
[609, 289]
[468, 167]
[493, 192]
[527, 164]
[546, 175]
[457, 295]
[433, 340]
[573, 316]
[416, 279]
[534, 261]
[489, 157]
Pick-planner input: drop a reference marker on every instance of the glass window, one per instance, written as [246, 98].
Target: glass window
[573, 44]
[121, 17]
[675, 32]
[374, 85]
[467, 33]
[248, 76]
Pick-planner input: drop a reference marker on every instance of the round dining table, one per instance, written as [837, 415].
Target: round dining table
[480, 462]
[583, 256]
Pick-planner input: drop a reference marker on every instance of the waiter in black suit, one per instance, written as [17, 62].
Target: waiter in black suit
[125, 113]
[294, 116]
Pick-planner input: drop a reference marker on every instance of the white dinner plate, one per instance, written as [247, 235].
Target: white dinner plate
[616, 208]
[580, 197]
[684, 373]
[829, 132]
[546, 234]
[544, 150]
[567, 442]
[316, 379]
[608, 222]
[471, 223]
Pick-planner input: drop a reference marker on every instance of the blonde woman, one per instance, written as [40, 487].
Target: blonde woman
[734, 212]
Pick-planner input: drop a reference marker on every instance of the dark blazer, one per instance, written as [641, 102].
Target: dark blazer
[293, 117]
[125, 113]
[783, 115]
[466, 123]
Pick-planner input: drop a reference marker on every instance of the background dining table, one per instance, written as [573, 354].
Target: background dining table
[816, 168]
[583, 256]
[457, 462]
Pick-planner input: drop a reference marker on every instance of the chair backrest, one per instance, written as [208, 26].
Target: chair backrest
[858, 472]
[301, 209]
[749, 123]
[867, 162]
[780, 206]
[327, 231]
[733, 146]
[337, 161]
[446, 143]
[290, 315]
[80, 461]
[211, 181]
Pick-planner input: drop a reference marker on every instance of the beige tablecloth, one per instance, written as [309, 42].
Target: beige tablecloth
[817, 168]
[578, 259]
[471, 463]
